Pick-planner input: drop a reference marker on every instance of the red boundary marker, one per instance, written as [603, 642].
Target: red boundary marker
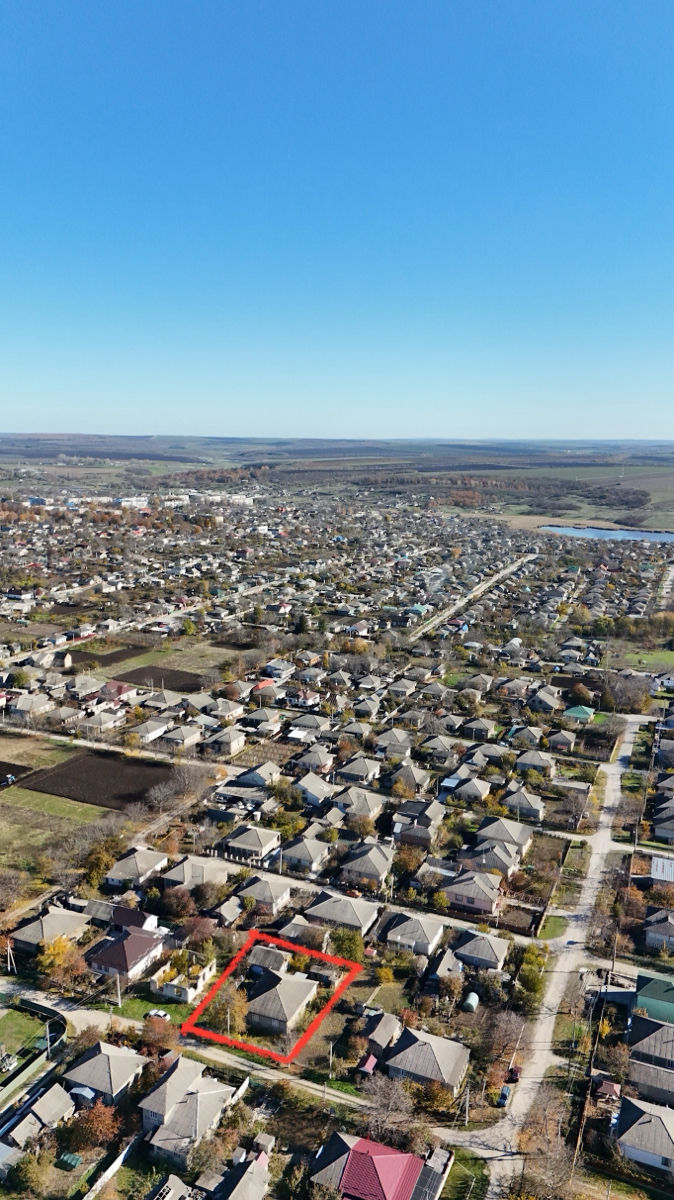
[191, 1026]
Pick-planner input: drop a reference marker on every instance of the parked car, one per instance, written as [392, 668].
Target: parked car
[503, 1097]
[514, 1075]
[158, 1013]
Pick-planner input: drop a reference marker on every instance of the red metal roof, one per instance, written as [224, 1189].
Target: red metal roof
[376, 1172]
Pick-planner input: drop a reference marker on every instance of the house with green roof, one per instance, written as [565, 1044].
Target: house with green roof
[655, 994]
[581, 713]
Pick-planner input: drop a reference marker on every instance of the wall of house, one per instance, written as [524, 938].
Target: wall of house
[646, 1159]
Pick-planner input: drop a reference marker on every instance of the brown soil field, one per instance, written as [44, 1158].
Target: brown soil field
[163, 677]
[98, 778]
[10, 768]
[122, 654]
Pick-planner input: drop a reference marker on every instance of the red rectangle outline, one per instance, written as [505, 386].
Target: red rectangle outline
[256, 935]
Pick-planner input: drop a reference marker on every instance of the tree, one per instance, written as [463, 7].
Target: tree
[391, 1106]
[60, 963]
[362, 825]
[82, 1041]
[408, 859]
[348, 943]
[95, 1126]
[159, 1035]
[28, 1175]
[178, 903]
[384, 975]
[227, 1011]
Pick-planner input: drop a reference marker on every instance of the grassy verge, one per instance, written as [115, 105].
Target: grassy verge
[467, 1171]
[552, 927]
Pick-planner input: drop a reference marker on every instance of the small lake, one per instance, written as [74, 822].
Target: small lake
[609, 535]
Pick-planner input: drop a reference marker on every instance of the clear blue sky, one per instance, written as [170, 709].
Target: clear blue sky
[328, 217]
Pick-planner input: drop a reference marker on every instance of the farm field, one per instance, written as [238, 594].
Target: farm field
[33, 821]
[106, 657]
[187, 656]
[108, 780]
[163, 677]
[31, 752]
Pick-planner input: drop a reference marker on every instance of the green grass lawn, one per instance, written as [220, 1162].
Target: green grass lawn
[467, 1171]
[652, 660]
[55, 806]
[553, 927]
[18, 1029]
[392, 996]
[135, 1007]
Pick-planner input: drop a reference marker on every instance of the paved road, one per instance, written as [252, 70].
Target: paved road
[499, 1143]
[474, 594]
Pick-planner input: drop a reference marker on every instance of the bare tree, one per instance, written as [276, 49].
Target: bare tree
[391, 1106]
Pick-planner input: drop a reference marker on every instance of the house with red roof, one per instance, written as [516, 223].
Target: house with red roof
[364, 1170]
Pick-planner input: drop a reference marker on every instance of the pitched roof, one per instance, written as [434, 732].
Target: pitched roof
[105, 1068]
[364, 1170]
[281, 997]
[647, 1127]
[343, 910]
[429, 1057]
[124, 952]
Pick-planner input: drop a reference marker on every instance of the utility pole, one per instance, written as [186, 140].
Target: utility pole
[330, 1069]
[467, 1103]
[517, 1046]
[119, 991]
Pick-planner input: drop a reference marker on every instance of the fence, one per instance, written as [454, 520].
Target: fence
[112, 1168]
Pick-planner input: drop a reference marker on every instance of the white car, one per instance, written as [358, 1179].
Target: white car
[158, 1013]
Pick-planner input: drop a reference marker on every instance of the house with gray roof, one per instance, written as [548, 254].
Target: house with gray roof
[336, 910]
[55, 922]
[134, 869]
[420, 934]
[277, 1002]
[360, 770]
[306, 854]
[251, 844]
[476, 891]
[195, 869]
[645, 1134]
[270, 894]
[359, 802]
[368, 863]
[314, 789]
[184, 1107]
[425, 1058]
[46, 1112]
[482, 950]
[416, 822]
[651, 1067]
[106, 1070]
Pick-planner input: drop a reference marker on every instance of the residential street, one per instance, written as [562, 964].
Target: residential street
[499, 1142]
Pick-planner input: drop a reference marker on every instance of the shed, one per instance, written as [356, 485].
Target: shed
[471, 1002]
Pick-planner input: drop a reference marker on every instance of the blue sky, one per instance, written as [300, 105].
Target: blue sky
[337, 217]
